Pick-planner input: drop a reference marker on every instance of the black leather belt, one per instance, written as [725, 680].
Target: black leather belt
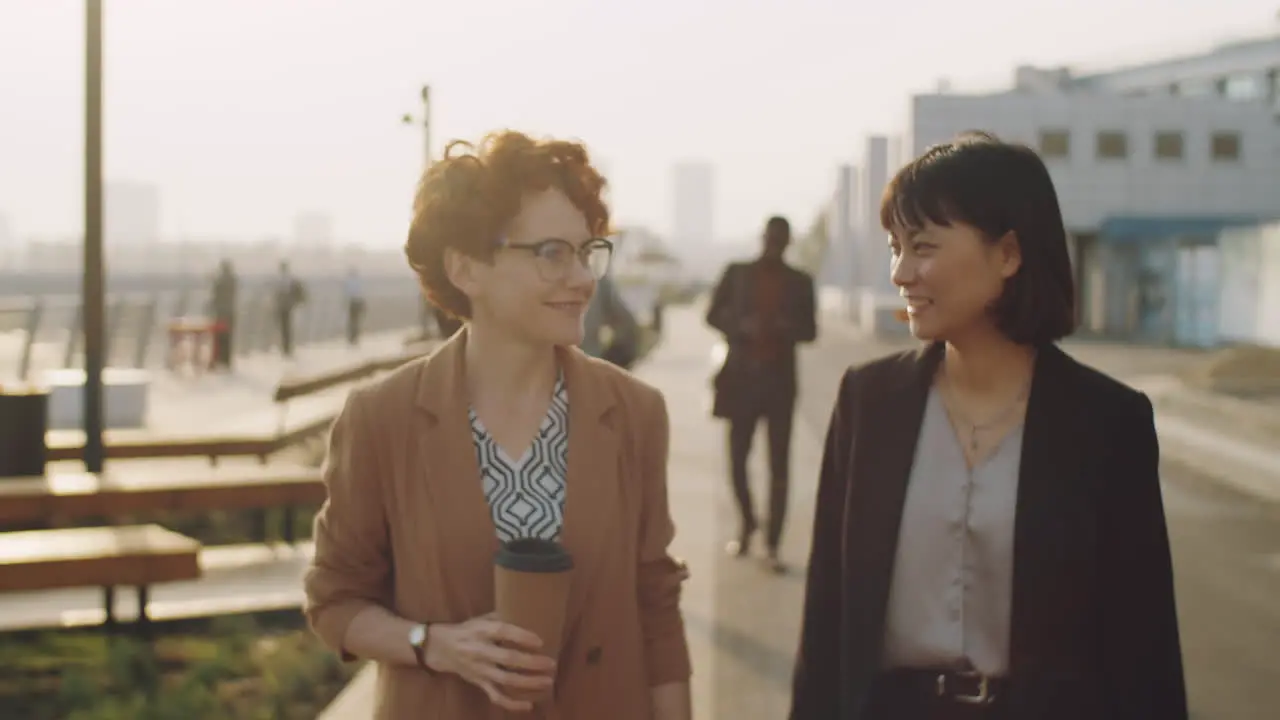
[960, 686]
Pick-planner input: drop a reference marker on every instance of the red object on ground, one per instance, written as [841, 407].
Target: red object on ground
[193, 342]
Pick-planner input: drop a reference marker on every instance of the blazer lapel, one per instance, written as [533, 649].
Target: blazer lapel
[443, 449]
[445, 456]
[1049, 515]
[888, 425]
[591, 487]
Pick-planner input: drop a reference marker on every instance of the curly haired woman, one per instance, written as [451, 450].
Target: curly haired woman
[507, 431]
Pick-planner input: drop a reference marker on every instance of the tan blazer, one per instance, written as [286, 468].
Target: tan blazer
[406, 526]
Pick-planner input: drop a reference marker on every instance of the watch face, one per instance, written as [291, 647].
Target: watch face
[417, 635]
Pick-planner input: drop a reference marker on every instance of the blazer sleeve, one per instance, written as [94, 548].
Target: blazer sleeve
[1142, 656]
[816, 683]
[807, 322]
[660, 575]
[721, 314]
[350, 570]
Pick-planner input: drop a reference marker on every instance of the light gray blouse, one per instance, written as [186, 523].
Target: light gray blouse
[951, 593]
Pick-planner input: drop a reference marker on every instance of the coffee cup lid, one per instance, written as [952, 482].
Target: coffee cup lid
[534, 555]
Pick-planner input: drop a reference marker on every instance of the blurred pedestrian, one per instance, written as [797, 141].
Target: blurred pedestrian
[610, 329]
[223, 311]
[289, 295]
[764, 309]
[353, 293]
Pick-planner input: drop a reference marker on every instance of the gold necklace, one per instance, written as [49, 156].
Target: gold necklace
[976, 427]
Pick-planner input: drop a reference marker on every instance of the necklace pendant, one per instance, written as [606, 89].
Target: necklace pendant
[973, 442]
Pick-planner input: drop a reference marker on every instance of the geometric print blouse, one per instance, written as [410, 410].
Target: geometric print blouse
[526, 495]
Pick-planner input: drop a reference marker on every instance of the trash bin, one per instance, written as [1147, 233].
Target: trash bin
[24, 414]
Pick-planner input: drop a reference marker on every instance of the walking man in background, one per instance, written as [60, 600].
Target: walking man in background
[223, 309]
[353, 289]
[763, 308]
[289, 295]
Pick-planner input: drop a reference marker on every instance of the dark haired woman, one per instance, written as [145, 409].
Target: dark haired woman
[508, 431]
[989, 540]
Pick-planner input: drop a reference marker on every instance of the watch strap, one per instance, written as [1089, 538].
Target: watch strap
[420, 649]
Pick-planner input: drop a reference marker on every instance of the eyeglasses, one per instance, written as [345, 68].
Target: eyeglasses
[554, 257]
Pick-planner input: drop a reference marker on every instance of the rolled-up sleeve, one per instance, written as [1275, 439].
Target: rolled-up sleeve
[350, 570]
[660, 575]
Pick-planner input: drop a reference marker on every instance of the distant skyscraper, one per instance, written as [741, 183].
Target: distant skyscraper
[313, 229]
[693, 204]
[8, 245]
[132, 213]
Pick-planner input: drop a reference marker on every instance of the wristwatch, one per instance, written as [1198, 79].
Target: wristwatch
[418, 641]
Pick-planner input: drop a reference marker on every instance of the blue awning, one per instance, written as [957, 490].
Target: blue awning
[1149, 228]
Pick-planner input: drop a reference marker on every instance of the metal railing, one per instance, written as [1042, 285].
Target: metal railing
[39, 333]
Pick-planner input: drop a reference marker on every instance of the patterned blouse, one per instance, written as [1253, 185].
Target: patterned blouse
[526, 495]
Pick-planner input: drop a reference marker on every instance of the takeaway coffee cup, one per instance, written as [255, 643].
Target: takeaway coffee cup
[531, 589]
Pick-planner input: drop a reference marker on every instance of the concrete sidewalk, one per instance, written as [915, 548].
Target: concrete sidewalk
[243, 397]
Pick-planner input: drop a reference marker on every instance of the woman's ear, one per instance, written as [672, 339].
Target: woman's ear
[461, 271]
[1010, 250]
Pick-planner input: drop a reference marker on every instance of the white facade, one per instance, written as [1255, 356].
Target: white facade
[1249, 308]
[1171, 150]
[1244, 70]
[693, 204]
[1121, 152]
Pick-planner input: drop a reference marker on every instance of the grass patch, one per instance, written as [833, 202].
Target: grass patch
[231, 668]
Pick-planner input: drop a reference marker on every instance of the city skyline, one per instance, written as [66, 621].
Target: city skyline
[306, 112]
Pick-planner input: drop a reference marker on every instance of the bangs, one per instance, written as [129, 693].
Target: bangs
[922, 192]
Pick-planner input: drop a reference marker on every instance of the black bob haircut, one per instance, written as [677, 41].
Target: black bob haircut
[996, 188]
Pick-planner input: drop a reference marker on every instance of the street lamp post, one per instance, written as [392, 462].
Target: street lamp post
[91, 290]
[426, 126]
[425, 119]
[425, 310]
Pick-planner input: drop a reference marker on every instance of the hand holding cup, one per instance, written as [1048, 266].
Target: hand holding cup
[499, 658]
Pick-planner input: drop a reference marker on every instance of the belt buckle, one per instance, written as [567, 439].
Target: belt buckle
[983, 696]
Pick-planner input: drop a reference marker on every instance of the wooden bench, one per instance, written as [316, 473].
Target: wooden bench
[76, 496]
[106, 557]
[291, 388]
[138, 444]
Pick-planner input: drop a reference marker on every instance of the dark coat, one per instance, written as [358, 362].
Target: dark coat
[731, 304]
[1094, 630]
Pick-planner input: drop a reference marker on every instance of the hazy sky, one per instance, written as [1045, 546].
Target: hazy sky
[246, 112]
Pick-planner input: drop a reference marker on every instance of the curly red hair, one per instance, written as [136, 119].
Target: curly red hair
[466, 201]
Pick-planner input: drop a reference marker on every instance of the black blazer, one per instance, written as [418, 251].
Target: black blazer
[1094, 631]
[732, 302]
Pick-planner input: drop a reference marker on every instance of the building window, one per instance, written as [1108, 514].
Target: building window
[1168, 145]
[1243, 87]
[1055, 143]
[1112, 145]
[1225, 146]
